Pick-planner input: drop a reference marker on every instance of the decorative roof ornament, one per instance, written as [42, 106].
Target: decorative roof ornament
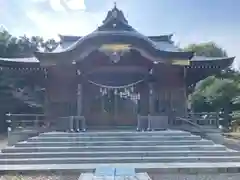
[115, 51]
[115, 13]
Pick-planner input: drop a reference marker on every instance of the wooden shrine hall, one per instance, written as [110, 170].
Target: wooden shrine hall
[115, 75]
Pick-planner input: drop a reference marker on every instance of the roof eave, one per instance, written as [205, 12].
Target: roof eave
[67, 38]
[14, 63]
[209, 59]
[219, 62]
[167, 38]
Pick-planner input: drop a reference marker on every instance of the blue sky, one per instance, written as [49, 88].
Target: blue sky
[191, 21]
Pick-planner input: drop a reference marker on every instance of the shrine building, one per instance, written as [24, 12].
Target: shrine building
[115, 74]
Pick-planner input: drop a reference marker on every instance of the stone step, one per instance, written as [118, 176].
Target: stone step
[117, 154]
[82, 160]
[115, 148]
[112, 143]
[116, 134]
[140, 167]
[110, 138]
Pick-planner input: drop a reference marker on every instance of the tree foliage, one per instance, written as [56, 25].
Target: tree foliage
[19, 92]
[219, 92]
[11, 46]
[209, 49]
[214, 93]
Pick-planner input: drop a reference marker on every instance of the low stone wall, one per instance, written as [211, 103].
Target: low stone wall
[20, 135]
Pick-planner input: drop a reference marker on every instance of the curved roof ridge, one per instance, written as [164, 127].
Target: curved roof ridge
[163, 37]
[79, 41]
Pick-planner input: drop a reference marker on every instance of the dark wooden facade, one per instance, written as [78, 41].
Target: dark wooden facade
[159, 90]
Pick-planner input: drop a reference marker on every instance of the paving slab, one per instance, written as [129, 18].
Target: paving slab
[91, 176]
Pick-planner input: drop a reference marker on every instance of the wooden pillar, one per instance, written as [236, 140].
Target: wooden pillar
[144, 100]
[151, 99]
[79, 99]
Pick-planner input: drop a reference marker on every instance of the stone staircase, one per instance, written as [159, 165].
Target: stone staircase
[143, 150]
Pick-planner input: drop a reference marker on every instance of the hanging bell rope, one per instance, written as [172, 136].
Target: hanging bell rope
[116, 87]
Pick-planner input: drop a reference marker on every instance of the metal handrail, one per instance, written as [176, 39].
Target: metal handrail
[23, 126]
[36, 118]
[203, 113]
[189, 121]
[202, 133]
[9, 114]
[13, 118]
[214, 136]
[211, 117]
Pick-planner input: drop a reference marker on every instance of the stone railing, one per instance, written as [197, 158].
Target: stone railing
[23, 126]
[156, 122]
[151, 122]
[71, 124]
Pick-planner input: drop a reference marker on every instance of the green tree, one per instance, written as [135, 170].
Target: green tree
[209, 49]
[214, 94]
[219, 92]
[20, 94]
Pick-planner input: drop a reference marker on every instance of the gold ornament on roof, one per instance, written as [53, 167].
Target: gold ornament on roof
[115, 47]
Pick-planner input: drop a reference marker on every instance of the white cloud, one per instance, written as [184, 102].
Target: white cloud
[56, 5]
[62, 5]
[51, 17]
[50, 24]
[76, 4]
